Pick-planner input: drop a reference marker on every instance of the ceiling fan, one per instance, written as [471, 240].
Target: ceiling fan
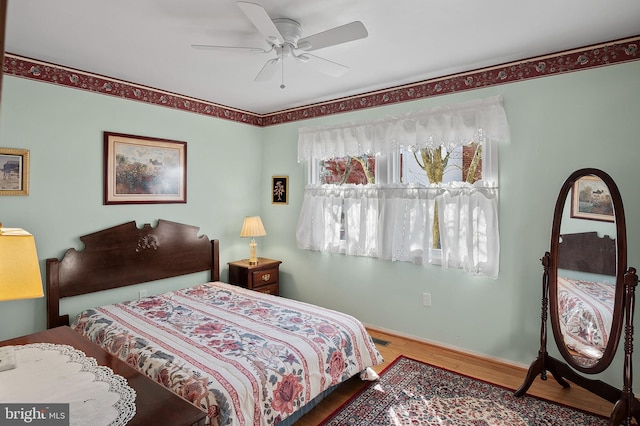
[284, 37]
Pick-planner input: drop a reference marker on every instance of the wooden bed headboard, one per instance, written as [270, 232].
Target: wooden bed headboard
[126, 255]
[587, 252]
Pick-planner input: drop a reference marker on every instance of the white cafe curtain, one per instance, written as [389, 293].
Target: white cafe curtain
[395, 223]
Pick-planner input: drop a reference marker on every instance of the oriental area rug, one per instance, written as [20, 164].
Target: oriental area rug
[410, 392]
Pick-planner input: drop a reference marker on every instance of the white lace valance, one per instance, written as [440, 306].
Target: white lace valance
[449, 125]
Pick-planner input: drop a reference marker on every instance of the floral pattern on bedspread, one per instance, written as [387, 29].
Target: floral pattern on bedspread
[586, 310]
[244, 357]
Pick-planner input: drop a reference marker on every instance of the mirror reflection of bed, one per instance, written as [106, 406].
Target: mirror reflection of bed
[586, 293]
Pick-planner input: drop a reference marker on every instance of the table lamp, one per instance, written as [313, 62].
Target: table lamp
[19, 275]
[252, 227]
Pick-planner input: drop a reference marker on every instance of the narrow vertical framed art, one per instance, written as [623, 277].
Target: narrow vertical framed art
[280, 190]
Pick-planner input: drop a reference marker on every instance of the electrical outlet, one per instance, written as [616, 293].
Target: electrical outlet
[142, 293]
[426, 299]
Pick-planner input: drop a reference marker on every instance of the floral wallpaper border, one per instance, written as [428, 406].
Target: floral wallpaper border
[604, 54]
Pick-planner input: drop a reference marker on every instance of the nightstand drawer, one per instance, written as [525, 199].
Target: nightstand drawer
[268, 289]
[264, 277]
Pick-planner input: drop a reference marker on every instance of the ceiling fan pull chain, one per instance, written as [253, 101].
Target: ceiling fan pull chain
[282, 79]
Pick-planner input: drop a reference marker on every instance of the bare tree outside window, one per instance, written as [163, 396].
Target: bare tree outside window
[435, 162]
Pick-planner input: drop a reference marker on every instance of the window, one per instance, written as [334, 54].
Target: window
[439, 165]
[358, 170]
[397, 189]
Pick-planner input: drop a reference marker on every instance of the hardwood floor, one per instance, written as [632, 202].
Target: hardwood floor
[484, 369]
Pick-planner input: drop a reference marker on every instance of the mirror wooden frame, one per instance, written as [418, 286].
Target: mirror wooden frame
[626, 406]
[621, 267]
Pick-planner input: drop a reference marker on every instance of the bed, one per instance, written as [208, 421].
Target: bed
[245, 358]
[586, 292]
[586, 312]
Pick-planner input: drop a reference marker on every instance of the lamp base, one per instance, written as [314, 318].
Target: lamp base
[253, 259]
[7, 358]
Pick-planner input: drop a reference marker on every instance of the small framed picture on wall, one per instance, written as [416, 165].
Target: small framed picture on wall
[14, 173]
[590, 199]
[280, 189]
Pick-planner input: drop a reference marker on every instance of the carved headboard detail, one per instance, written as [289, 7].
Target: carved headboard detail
[126, 255]
[587, 252]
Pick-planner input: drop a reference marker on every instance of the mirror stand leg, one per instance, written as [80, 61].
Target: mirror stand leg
[627, 407]
[537, 367]
[554, 366]
[541, 365]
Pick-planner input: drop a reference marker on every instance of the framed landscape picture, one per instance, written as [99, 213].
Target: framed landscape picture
[143, 170]
[590, 199]
[280, 189]
[14, 171]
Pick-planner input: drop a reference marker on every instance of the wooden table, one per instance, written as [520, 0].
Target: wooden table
[154, 404]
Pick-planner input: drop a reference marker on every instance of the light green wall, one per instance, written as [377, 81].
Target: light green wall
[63, 129]
[558, 124]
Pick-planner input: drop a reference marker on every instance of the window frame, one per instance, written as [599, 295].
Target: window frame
[388, 168]
[388, 172]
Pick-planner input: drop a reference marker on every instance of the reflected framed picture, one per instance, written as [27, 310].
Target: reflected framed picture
[590, 199]
[14, 171]
[144, 170]
[280, 189]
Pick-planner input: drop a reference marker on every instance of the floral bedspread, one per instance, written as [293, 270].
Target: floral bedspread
[586, 311]
[244, 357]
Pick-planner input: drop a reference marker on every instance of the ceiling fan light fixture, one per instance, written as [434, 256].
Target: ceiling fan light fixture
[286, 50]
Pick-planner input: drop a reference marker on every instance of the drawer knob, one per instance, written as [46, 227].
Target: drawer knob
[266, 277]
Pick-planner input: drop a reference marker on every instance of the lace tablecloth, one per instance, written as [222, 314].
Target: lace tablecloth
[49, 373]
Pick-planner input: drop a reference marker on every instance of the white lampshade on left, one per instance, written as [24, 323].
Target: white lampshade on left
[19, 276]
[19, 266]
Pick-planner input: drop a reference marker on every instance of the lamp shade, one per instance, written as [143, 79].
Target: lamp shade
[19, 267]
[252, 227]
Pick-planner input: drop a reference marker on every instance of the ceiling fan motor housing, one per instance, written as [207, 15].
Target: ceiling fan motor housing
[290, 30]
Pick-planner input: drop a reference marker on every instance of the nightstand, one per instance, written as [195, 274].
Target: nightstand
[263, 277]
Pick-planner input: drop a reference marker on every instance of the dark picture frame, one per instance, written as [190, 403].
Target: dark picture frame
[590, 199]
[144, 170]
[14, 171]
[280, 189]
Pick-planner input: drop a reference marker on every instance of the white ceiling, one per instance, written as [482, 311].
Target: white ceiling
[148, 42]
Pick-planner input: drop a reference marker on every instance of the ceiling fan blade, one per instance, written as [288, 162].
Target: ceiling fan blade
[214, 47]
[268, 70]
[324, 66]
[261, 20]
[338, 35]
